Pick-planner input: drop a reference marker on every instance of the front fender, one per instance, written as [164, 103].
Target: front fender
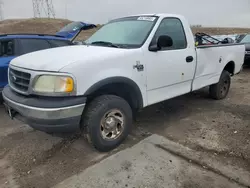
[117, 80]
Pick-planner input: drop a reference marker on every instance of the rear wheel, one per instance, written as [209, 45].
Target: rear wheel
[107, 122]
[220, 90]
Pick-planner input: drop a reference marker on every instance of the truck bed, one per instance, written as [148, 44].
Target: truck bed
[212, 59]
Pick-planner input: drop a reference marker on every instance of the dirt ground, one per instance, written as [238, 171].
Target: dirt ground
[220, 129]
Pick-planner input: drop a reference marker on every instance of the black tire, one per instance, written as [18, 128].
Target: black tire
[93, 115]
[220, 90]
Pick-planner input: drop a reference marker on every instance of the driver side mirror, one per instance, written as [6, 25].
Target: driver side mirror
[163, 41]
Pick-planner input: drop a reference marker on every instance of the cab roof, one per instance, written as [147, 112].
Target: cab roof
[32, 36]
[159, 14]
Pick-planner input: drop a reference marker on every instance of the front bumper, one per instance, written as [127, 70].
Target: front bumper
[49, 114]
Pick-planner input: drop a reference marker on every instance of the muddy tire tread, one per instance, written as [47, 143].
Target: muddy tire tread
[214, 90]
[92, 109]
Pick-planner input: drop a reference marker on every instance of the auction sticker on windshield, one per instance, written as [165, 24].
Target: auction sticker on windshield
[146, 18]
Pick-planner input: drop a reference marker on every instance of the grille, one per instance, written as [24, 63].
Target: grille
[19, 80]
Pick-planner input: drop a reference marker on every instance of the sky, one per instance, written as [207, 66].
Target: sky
[223, 13]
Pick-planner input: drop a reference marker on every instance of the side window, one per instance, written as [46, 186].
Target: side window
[58, 43]
[31, 45]
[173, 28]
[6, 48]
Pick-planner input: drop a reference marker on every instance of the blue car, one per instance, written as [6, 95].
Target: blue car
[13, 45]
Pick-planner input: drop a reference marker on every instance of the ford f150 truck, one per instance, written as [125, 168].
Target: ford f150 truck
[128, 64]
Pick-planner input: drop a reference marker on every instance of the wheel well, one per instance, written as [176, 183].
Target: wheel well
[124, 90]
[230, 67]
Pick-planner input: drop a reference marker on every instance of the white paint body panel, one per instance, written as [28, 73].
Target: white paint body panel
[120, 64]
[54, 59]
[212, 60]
[166, 74]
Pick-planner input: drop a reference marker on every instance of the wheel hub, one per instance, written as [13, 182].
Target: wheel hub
[112, 124]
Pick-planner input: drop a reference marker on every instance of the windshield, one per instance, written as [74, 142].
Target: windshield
[124, 32]
[72, 27]
[246, 39]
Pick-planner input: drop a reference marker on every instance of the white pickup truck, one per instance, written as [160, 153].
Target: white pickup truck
[128, 64]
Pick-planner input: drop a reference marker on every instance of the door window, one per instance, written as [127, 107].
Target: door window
[31, 45]
[173, 28]
[6, 48]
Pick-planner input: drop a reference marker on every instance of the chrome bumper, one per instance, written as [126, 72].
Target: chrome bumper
[45, 113]
[49, 115]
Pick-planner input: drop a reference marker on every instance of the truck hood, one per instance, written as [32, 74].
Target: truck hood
[56, 58]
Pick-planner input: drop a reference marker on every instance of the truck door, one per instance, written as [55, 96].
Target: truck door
[170, 70]
[7, 53]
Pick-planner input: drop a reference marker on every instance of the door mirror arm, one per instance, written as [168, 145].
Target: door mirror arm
[163, 41]
[154, 48]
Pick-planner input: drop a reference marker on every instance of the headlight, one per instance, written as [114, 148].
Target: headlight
[54, 84]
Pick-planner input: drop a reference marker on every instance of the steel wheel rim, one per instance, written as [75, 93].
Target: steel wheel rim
[112, 124]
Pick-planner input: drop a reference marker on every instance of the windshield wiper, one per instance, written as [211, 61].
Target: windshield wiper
[105, 44]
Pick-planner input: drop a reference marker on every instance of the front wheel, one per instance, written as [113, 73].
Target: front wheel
[107, 122]
[220, 90]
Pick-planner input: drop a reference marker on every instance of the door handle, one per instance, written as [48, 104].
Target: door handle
[189, 59]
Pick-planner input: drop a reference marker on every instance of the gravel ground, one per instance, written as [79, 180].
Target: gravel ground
[217, 129]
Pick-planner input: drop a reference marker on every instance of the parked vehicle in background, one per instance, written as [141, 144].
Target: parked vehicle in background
[205, 39]
[14, 45]
[128, 64]
[245, 39]
[72, 30]
[232, 37]
[239, 37]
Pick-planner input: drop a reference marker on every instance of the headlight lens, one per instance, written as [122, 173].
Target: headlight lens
[54, 83]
